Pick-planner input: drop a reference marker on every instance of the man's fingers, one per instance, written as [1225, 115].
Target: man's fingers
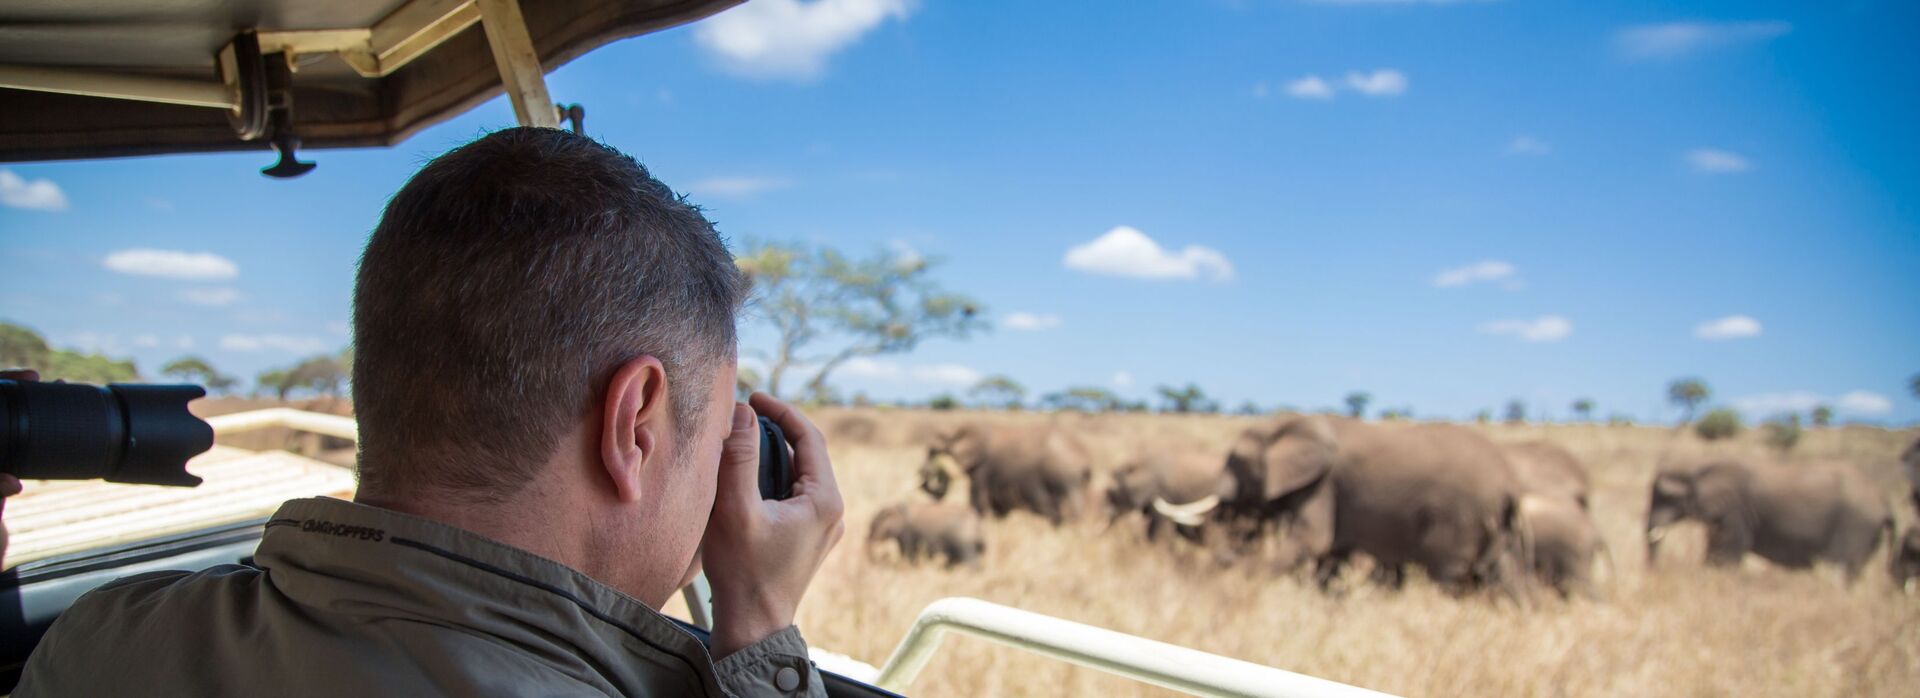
[740, 459]
[810, 460]
[9, 485]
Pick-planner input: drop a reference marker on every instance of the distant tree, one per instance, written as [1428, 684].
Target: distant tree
[322, 374]
[1357, 404]
[885, 304]
[1084, 399]
[943, 402]
[1483, 416]
[22, 347]
[1822, 416]
[1719, 423]
[745, 381]
[194, 369]
[1783, 432]
[279, 381]
[998, 391]
[1396, 414]
[1688, 394]
[1619, 419]
[1248, 409]
[1516, 411]
[1183, 400]
[1913, 384]
[1583, 407]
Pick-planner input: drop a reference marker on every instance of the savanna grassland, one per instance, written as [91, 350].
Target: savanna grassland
[1677, 629]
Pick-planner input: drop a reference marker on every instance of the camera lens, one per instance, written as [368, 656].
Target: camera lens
[139, 434]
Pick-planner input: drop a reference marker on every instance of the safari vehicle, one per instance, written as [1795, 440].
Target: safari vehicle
[100, 79]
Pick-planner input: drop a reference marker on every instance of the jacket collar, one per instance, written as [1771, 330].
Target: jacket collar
[367, 561]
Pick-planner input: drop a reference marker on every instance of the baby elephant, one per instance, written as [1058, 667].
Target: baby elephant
[925, 530]
[1906, 561]
[1564, 542]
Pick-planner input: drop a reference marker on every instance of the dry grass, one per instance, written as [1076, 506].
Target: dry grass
[1678, 630]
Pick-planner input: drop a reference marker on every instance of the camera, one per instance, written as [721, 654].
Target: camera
[123, 432]
[776, 462]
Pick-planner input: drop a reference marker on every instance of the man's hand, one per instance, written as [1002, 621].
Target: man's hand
[760, 555]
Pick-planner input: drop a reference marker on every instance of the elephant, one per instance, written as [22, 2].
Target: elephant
[929, 529]
[1039, 468]
[1181, 490]
[1910, 463]
[1793, 516]
[1545, 468]
[1439, 496]
[1562, 542]
[1905, 562]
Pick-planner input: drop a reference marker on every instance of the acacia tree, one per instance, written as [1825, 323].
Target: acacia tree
[194, 369]
[1584, 408]
[1083, 399]
[998, 391]
[1357, 404]
[1822, 416]
[1688, 394]
[1516, 411]
[816, 296]
[1184, 400]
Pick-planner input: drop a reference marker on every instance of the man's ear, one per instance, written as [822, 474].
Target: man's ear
[631, 423]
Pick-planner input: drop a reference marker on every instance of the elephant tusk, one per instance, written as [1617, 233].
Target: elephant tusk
[1191, 514]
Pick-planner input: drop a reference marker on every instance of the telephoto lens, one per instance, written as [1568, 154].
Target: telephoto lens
[131, 433]
[776, 462]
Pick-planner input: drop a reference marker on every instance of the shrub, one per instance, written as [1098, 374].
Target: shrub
[1783, 433]
[943, 402]
[1718, 423]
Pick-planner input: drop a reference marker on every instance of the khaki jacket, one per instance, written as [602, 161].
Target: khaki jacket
[351, 600]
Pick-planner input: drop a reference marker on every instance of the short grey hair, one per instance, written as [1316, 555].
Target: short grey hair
[504, 285]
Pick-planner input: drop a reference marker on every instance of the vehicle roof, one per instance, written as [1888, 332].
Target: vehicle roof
[336, 106]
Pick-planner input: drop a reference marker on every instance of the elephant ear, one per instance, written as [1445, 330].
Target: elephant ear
[1670, 485]
[1298, 456]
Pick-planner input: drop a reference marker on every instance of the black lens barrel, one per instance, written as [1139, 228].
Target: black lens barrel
[131, 433]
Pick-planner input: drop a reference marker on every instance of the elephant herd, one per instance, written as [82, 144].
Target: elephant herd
[1311, 492]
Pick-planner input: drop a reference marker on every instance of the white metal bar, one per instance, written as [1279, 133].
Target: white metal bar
[299, 420]
[145, 88]
[1148, 661]
[699, 598]
[416, 28]
[519, 64]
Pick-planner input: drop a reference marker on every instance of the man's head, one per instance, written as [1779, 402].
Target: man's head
[535, 312]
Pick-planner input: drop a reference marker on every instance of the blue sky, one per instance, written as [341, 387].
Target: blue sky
[1445, 204]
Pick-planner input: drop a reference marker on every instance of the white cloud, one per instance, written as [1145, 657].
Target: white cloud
[1717, 161]
[33, 195]
[791, 39]
[1125, 251]
[736, 187]
[261, 342]
[1675, 39]
[210, 296]
[944, 374]
[183, 342]
[92, 342]
[1858, 402]
[1487, 270]
[172, 264]
[1528, 145]
[1729, 327]
[1031, 321]
[1122, 379]
[1546, 328]
[1863, 402]
[1310, 87]
[1384, 82]
[146, 341]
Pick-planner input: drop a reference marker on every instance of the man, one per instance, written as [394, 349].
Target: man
[549, 449]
